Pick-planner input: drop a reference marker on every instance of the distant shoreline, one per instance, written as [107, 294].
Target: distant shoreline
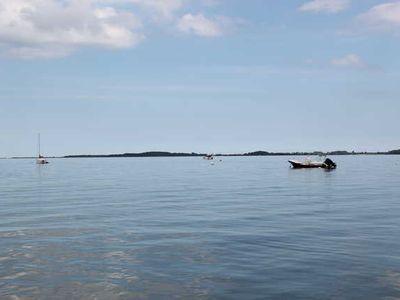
[256, 153]
[193, 154]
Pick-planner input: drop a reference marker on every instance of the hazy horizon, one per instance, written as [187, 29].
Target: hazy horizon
[202, 153]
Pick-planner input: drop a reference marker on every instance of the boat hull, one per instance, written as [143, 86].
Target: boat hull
[41, 161]
[310, 165]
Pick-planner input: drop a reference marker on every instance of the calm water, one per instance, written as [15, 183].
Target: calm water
[181, 228]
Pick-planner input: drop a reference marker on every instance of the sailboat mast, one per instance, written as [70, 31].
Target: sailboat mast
[39, 144]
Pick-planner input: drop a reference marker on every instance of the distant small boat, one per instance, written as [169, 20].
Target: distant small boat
[40, 160]
[208, 157]
[326, 164]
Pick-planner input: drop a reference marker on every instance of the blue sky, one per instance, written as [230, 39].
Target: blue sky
[115, 76]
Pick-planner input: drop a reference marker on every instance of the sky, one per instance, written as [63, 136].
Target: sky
[212, 76]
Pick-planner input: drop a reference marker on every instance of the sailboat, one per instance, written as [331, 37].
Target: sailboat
[40, 159]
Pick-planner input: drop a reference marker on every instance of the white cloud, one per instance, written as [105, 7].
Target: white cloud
[159, 8]
[39, 52]
[164, 7]
[349, 61]
[384, 16]
[326, 6]
[54, 28]
[203, 26]
[105, 13]
[50, 28]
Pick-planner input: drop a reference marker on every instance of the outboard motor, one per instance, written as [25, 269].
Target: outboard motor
[329, 164]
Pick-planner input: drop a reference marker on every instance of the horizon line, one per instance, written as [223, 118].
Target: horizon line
[197, 154]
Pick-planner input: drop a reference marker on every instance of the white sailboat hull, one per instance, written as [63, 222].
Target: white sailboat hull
[41, 161]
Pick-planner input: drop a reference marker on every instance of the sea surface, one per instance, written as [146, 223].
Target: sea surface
[186, 228]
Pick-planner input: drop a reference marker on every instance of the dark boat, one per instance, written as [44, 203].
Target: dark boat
[326, 164]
